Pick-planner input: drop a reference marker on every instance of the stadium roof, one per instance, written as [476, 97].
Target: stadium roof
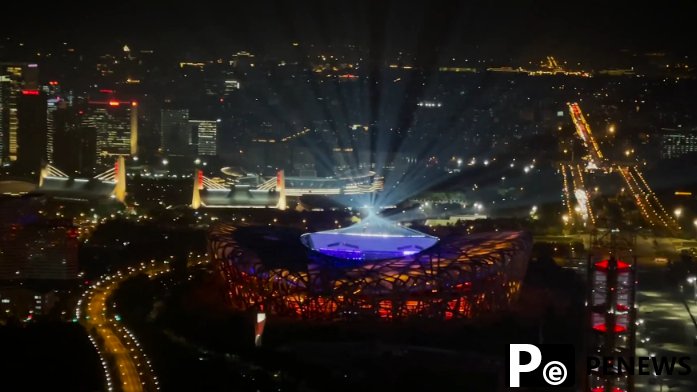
[15, 187]
[372, 239]
[76, 188]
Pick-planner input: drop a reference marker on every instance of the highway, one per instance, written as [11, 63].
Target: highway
[584, 132]
[644, 197]
[126, 366]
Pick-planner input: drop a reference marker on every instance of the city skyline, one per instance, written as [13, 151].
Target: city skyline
[341, 196]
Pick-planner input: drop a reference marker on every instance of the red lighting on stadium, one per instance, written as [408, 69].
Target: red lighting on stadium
[371, 288]
[603, 328]
[114, 103]
[106, 91]
[605, 264]
[30, 92]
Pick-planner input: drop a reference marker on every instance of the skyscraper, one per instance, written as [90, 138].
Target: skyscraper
[206, 137]
[14, 77]
[75, 145]
[115, 124]
[51, 107]
[176, 138]
[10, 86]
[4, 117]
[56, 100]
[31, 130]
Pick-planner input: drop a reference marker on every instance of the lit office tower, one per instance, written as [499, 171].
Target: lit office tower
[206, 137]
[55, 101]
[175, 132]
[31, 130]
[11, 84]
[51, 107]
[115, 124]
[678, 142]
[4, 117]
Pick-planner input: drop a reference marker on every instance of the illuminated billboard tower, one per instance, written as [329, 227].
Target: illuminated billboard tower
[611, 311]
[281, 189]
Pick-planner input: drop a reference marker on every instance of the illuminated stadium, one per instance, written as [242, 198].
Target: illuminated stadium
[458, 276]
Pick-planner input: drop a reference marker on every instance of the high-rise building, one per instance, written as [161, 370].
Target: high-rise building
[206, 137]
[176, 138]
[675, 142]
[31, 130]
[54, 101]
[51, 107]
[115, 124]
[14, 77]
[4, 117]
[74, 142]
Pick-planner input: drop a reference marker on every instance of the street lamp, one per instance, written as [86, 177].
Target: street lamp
[693, 279]
[677, 212]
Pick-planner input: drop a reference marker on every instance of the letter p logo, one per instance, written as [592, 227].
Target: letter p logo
[515, 367]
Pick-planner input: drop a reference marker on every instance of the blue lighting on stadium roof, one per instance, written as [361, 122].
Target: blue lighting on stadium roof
[374, 238]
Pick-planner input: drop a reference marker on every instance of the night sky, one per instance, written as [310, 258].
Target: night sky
[510, 29]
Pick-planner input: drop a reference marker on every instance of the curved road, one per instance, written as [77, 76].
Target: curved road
[125, 363]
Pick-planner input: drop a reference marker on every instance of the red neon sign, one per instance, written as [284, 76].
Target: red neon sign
[30, 92]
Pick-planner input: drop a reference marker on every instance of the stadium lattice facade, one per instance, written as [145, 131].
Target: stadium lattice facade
[464, 276]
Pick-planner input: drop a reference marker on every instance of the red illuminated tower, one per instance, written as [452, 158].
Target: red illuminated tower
[611, 309]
